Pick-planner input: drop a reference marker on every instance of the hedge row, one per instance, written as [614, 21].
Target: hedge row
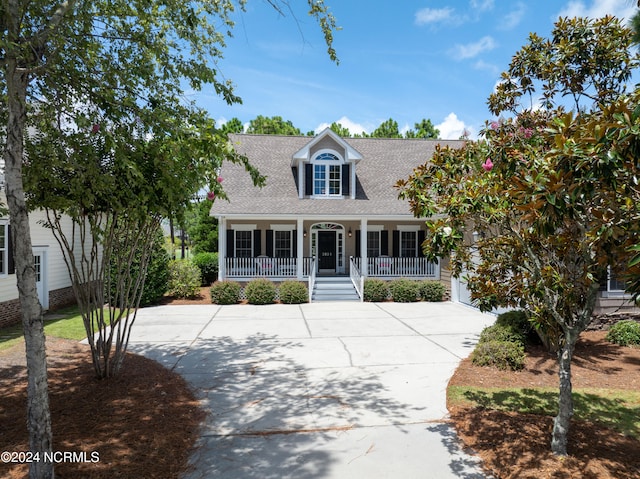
[260, 291]
[403, 290]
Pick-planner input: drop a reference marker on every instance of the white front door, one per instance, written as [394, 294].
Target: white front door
[40, 265]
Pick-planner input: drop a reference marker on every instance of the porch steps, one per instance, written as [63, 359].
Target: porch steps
[334, 288]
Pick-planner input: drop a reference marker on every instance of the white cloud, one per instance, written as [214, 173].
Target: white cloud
[452, 128]
[599, 8]
[433, 15]
[490, 67]
[481, 5]
[471, 50]
[353, 127]
[514, 17]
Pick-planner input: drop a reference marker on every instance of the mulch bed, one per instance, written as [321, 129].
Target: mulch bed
[143, 423]
[517, 446]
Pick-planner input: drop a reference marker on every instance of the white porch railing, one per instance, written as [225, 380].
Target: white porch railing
[387, 266]
[312, 277]
[356, 278]
[265, 267]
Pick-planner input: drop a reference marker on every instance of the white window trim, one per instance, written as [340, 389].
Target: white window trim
[243, 227]
[326, 164]
[282, 227]
[408, 227]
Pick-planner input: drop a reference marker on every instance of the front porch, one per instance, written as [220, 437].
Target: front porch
[280, 269]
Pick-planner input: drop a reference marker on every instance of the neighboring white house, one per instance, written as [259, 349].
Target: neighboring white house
[329, 207]
[53, 283]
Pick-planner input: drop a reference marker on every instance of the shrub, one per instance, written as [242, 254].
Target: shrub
[404, 290]
[184, 279]
[375, 290]
[225, 292]
[624, 333]
[501, 333]
[260, 291]
[500, 354]
[208, 264]
[432, 291]
[155, 282]
[293, 292]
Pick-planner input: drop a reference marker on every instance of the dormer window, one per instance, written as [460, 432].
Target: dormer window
[327, 175]
[326, 167]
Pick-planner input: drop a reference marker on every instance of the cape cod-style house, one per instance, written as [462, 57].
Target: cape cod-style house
[329, 209]
[329, 213]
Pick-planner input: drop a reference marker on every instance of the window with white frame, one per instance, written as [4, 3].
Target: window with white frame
[327, 175]
[4, 247]
[282, 244]
[244, 244]
[408, 244]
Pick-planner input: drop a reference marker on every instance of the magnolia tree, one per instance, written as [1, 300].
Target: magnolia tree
[549, 196]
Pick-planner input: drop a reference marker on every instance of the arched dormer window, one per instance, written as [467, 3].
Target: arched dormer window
[327, 174]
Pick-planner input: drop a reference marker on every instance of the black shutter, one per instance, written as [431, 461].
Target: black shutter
[346, 180]
[384, 243]
[257, 244]
[270, 238]
[294, 243]
[230, 244]
[11, 267]
[308, 179]
[358, 250]
[421, 238]
[396, 244]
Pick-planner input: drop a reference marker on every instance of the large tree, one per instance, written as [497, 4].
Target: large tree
[275, 125]
[121, 59]
[550, 195]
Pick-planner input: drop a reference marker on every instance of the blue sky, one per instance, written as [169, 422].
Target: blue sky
[406, 60]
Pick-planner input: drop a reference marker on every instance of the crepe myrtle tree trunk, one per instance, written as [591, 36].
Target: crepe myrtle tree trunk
[38, 414]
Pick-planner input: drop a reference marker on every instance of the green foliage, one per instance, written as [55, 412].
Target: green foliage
[404, 290]
[375, 290]
[260, 291]
[432, 291]
[502, 345]
[272, 126]
[424, 129]
[502, 333]
[202, 228]
[184, 279]
[126, 262]
[387, 129]
[225, 292]
[293, 292]
[625, 333]
[500, 354]
[208, 264]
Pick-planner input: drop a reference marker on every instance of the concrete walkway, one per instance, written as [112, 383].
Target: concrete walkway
[321, 390]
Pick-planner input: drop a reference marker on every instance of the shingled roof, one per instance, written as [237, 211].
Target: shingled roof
[384, 162]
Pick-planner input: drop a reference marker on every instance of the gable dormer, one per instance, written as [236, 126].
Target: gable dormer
[326, 167]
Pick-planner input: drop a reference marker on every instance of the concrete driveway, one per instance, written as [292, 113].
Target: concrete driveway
[320, 390]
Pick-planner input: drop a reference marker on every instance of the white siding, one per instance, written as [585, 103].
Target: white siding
[57, 275]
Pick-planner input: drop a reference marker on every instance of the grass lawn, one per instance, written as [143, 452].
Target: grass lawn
[614, 408]
[67, 324]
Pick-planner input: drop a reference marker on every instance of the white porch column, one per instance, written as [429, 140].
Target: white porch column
[364, 267]
[222, 247]
[300, 248]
